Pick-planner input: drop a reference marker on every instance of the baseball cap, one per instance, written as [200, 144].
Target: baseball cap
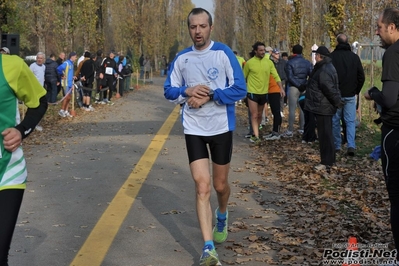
[268, 48]
[5, 49]
[322, 50]
[72, 54]
[276, 51]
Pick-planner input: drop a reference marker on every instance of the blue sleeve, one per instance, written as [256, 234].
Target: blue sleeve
[174, 86]
[61, 69]
[236, 87]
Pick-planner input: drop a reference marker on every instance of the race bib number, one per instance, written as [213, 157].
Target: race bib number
[109, 70]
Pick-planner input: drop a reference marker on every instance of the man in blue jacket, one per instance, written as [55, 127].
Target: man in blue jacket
[298, 70]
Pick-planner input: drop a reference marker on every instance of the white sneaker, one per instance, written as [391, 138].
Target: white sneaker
[86, 109]
[39, 128]
[300, 131]
[61, 113]
[91, 108]
[67, 114]
[282, 114]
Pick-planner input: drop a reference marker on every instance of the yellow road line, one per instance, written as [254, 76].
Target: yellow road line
[101, 237]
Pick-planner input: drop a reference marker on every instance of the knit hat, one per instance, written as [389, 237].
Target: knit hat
[297, 49]
[268, 49]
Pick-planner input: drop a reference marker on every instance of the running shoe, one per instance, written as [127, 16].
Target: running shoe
[67, 114]
[248, 136]
[91, 108]
[273, 136]
[220, 230]
[255, 140]
[61, 113]
[287, 134]
[209, 257]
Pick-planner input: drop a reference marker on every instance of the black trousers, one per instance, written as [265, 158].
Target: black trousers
[274, 102]
[390, 168]
[326, 139]
[309, 129]
[10, 202]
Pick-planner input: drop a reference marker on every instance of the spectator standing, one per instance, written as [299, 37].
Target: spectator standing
[147, 67]
[86, 57]
[163, 65]
[298, 70]
[351, 79]
[66, 71]
[38, 68]
[257, 72]
[388, 31]
[275, 94]
[279, 63]
[108, 75]
[51, 79]
[121, 62]
[207, 75]
[141, 63]
[60, 60]
[322, 99]
[97, 64]
[87, 73]
[17, 83]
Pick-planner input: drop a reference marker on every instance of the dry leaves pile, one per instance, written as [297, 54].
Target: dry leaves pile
[316, 210]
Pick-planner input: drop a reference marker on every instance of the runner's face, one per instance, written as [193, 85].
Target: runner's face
[200, 30]
[260, 52]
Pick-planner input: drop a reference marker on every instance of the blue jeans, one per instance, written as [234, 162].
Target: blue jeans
[348, 112]
[52, 91]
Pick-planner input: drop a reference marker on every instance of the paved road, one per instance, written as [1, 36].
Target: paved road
[114, 188]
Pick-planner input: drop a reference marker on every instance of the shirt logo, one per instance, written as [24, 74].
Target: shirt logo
[213, 73]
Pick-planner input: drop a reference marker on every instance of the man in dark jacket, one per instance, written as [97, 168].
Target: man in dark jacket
[97, 64]
[351, 79]
[51, 78]
[87, 77]
[108, 73]
[322, 99]
[297, 69]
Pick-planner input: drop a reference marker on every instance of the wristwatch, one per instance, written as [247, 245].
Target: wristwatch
[210, 94]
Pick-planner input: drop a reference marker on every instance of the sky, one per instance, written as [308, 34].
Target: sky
[206, 4]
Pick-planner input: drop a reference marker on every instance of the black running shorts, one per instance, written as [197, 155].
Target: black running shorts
[220, 146]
